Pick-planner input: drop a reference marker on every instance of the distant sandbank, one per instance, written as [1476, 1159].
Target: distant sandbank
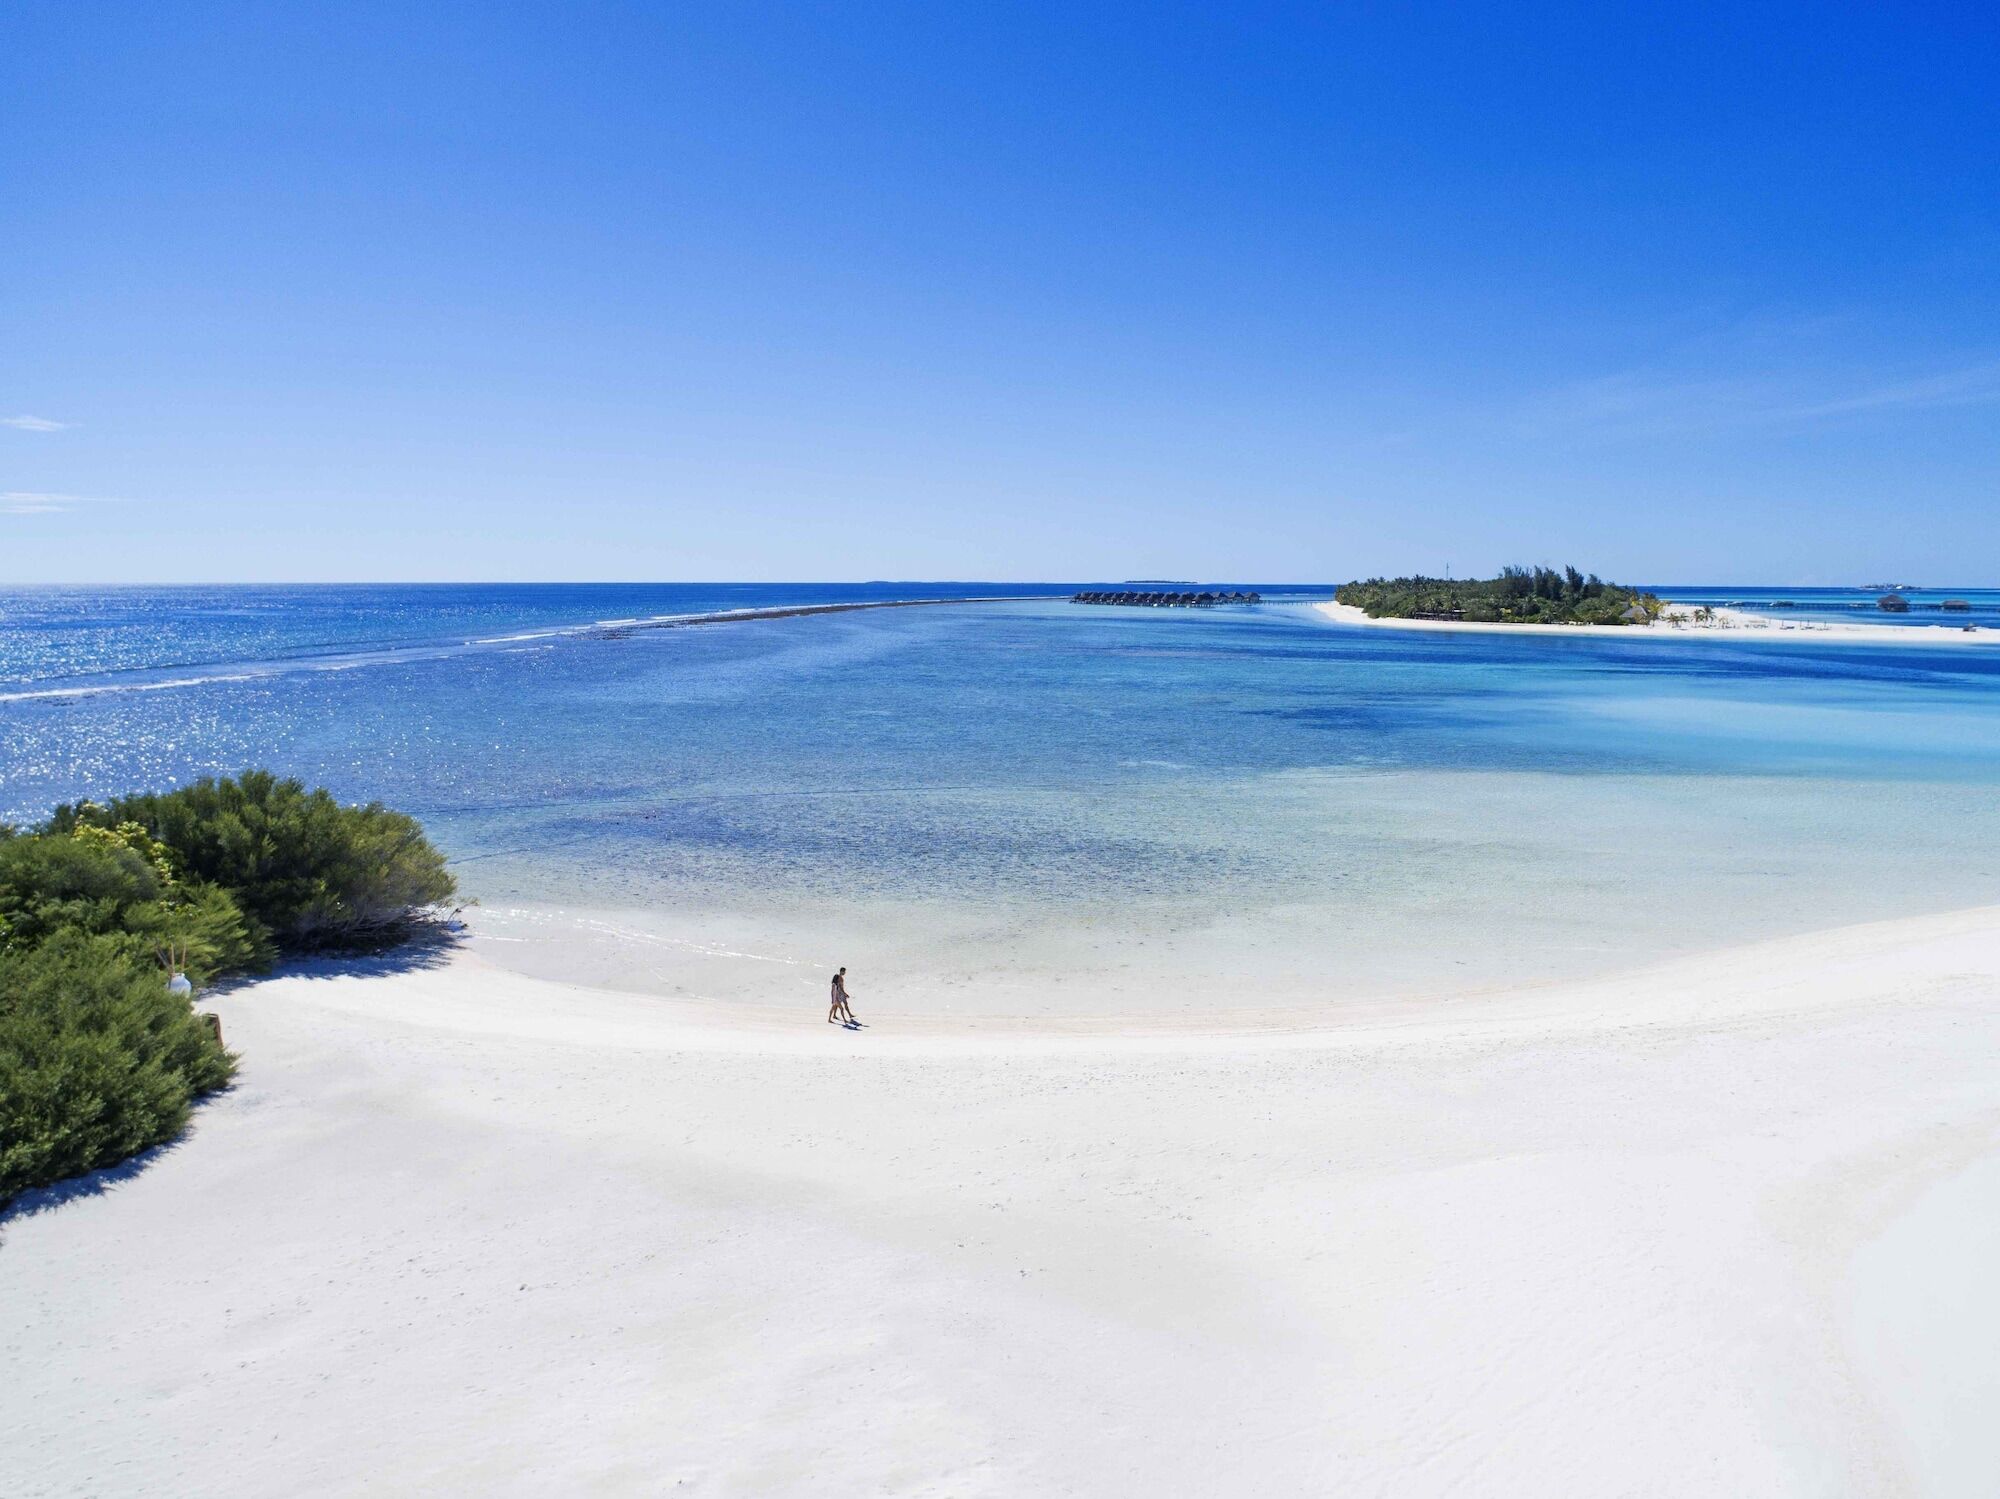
[619, 628]
[1720, 621]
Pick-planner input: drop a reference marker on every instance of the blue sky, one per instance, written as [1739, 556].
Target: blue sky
[969, 291]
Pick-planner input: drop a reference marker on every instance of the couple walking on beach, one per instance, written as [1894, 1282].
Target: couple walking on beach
[838, 1010]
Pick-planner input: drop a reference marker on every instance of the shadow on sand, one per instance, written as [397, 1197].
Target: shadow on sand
[427, 947]
[101, 1183]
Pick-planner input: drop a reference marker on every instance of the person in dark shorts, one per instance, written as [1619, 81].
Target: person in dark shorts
[838, 1010]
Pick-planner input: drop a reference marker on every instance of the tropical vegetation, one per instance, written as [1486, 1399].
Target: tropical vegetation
[1519, 595]
[102, 904]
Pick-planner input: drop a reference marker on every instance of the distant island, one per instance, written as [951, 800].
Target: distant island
[1520, 595]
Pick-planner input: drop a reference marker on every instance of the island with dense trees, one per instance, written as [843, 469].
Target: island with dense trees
[111, 915]
[1520, 595]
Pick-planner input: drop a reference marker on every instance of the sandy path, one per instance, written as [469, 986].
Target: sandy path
[1713, 1230]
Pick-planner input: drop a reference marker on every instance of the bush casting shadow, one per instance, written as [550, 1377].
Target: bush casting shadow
[426, 947]
[101, 1057]
[33, 1202]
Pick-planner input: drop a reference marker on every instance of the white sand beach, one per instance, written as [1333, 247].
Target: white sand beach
[1721, 1227]
[1719, 620]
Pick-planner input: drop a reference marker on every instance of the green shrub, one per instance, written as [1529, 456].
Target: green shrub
[305, 870]
[1520, 595]
[114, 882]
[48, 884]
[97, 1059]
[1603, 610]
[202, 929]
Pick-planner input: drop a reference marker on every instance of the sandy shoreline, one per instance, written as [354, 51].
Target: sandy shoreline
[464, 1231]
[1723, 622]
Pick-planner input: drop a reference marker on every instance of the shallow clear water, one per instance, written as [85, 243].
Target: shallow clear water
[1946, 607]
[1035, 805]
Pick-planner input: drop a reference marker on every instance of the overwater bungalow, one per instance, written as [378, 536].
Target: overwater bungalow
[1207, 599]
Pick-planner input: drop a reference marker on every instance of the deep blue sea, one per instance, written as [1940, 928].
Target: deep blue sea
[1031, 798]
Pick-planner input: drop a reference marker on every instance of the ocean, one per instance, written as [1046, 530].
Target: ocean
[1979, 607]
[1035, 806]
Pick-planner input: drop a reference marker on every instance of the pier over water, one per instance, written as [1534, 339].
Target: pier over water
[1167, 600]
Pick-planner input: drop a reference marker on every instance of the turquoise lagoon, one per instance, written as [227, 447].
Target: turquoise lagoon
[1031, 806]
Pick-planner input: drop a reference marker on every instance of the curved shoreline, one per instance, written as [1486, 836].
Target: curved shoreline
[1658, 1231]
[1780, 978]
